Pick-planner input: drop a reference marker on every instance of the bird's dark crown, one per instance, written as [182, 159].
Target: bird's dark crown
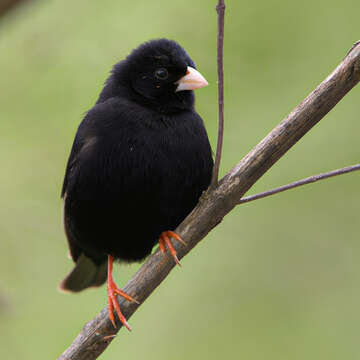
[148, 77]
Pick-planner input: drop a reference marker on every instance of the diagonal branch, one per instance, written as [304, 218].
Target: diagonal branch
[301, 182]
[216, 203]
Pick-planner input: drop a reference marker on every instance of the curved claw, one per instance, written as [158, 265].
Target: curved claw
[112, 291]
[164, 241]
[113, 303]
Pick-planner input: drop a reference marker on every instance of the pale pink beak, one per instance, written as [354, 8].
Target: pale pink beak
[191, 81]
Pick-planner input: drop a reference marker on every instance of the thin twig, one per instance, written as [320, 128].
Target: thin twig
[216, 203]
[301, 182]
[220, 8]
[6, 5]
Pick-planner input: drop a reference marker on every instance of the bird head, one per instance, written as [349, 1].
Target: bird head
[159, 74]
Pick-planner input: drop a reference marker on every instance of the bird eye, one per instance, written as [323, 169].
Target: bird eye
[161, 74]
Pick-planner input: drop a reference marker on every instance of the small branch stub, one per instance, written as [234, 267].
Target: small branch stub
[301, 182]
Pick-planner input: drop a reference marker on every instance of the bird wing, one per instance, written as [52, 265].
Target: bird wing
[85, 273]
[76, 147]
[75, 251]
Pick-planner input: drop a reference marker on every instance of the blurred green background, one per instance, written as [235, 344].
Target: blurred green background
[280, 277]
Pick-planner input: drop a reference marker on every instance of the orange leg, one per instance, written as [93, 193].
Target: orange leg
[164, 240]
[112, 290]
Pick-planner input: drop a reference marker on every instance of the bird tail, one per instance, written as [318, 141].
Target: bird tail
[85, 274]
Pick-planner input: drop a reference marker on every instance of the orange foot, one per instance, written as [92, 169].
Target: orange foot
[112, 290]
[164, 239]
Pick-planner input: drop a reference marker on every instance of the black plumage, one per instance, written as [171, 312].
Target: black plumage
[139, 163]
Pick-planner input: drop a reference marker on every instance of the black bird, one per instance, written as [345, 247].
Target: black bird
[140, 160]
